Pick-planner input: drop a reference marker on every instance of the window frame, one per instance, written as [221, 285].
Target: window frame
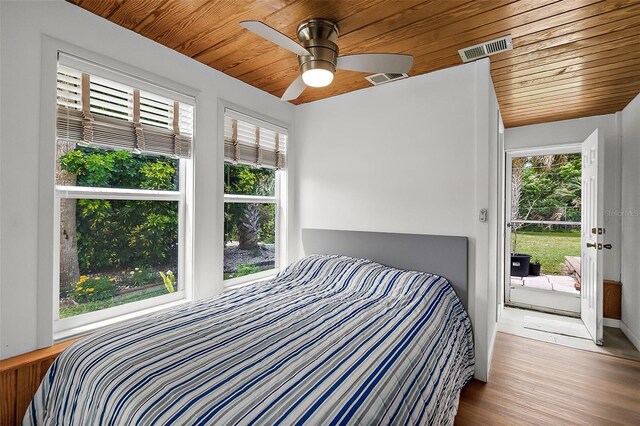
[68, 327]
[280, 200]
[281, 195]
[39, 294]
[90, 320]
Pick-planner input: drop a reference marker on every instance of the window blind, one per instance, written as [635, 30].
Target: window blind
[95, 111]
[248, 140]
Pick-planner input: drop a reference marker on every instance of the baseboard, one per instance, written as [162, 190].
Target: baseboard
[632, 337]
[610, 322]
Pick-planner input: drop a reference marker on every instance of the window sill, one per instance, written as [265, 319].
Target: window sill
[83, 330]
[236, 283]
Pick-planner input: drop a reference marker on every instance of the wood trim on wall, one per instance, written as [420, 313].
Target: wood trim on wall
[20, 378]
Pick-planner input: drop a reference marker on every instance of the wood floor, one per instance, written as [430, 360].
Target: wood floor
[539, 383]
[514, 321]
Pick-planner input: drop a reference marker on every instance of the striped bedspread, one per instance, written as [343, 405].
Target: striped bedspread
[330, 340]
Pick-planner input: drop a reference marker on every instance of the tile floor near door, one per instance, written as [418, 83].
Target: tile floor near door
[561, 283]
[522, 322]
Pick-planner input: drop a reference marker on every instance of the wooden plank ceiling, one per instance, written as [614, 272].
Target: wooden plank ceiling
[570, 58]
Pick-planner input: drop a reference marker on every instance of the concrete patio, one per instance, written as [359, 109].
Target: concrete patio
[559, 283]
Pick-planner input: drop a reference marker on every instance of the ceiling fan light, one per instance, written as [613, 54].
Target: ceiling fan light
[317, 77]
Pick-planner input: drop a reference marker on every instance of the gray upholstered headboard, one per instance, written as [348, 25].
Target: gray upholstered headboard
[436, 254]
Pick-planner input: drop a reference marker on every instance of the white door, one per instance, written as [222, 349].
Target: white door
[592, 234]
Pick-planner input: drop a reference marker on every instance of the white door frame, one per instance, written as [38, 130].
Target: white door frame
[592, 235]
[572, 148]
[500, 208]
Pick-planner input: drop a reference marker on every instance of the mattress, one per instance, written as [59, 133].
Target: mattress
[330, 340]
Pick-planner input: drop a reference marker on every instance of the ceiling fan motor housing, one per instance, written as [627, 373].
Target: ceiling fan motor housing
[318, 36]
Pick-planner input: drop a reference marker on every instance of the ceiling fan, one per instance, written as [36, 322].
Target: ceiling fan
[318, 55]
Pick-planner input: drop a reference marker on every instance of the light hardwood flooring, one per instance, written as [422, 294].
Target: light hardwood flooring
[538, 383]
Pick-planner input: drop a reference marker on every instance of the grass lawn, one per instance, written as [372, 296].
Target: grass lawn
[83, 308]
[549, 248]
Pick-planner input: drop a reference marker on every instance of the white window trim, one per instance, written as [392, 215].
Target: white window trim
[48, 251]
[282, 212]
[258, 277]
[279, 199]
[98, 325]
[233, 283]
[241, 198]
[117, 193]
[80, 324]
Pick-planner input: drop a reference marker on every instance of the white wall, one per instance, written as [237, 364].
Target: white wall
[576, 131]
[1, 139]
[411, 156]
[630, 214]
[26, 191]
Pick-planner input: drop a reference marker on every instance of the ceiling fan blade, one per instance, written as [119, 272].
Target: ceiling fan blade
[294, 90]
[274, 36]
[376, 62]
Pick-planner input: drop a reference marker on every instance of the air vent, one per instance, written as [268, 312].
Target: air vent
[382, 78]
[485, 49]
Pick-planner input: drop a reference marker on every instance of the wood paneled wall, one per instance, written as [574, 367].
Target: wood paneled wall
[20, 377]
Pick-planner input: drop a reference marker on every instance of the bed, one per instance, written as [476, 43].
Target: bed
[333, 339]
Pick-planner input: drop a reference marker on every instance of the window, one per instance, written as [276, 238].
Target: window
[122, 173]
[254, 197]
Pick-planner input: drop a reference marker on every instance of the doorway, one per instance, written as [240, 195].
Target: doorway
[541, 193]
[543, 229]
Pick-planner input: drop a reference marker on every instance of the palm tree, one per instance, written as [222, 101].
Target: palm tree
[249, 227]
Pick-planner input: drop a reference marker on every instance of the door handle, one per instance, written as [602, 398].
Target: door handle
[607, 246]
[594, 245]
